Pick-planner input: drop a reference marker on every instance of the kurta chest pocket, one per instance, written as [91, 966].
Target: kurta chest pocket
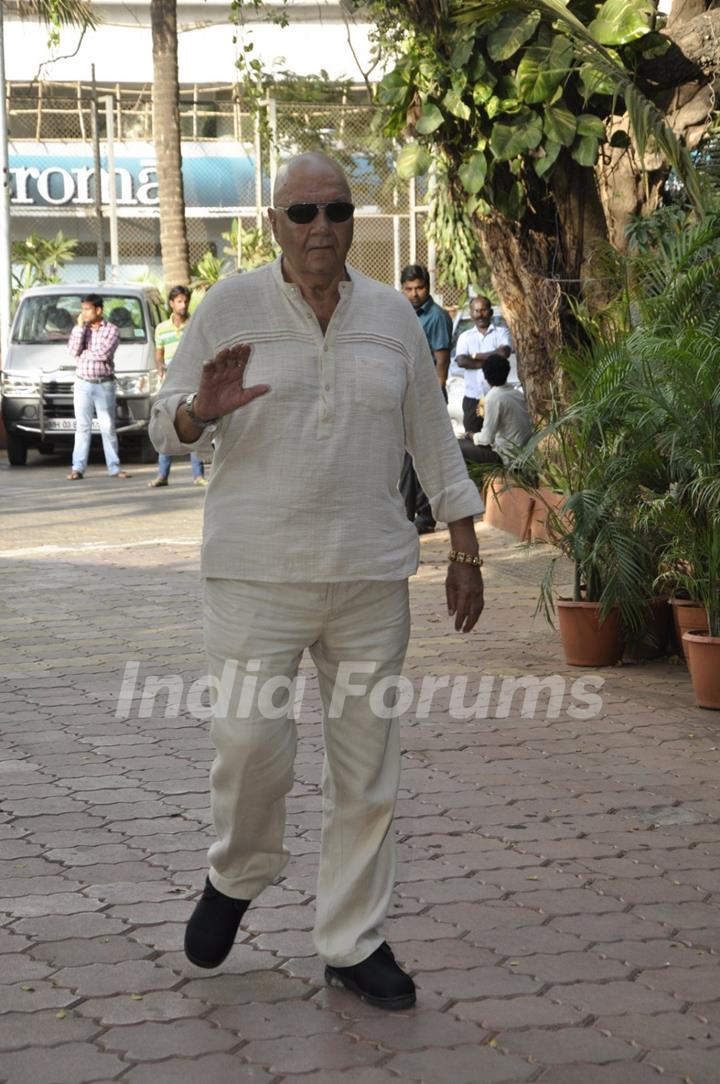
[379, 382]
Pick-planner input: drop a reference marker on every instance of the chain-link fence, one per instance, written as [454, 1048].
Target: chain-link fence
[230, 157]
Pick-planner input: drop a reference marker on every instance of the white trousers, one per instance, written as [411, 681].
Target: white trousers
[357, 635]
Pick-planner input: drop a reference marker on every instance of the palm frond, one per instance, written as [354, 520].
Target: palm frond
[54, 12]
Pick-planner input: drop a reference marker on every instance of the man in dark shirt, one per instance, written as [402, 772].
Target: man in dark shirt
[93, 342]
[437, 325]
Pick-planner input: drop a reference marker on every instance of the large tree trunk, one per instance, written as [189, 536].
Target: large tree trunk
[536, 272]
[679, 81]
[166, 136]
[521, 266]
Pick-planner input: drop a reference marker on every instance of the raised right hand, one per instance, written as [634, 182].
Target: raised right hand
[221, 388]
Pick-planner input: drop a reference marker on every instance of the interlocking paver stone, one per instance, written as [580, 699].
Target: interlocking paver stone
[153, 1041]
[269, 1021]
[71, 1063]
[42, 1028]
[305, 1054]
[563, 1045]
[697, 1066]
[662, 1030]
[498, 1014]
[609, 997]
[470, 1064]
[616, 1073]
[97, 980]
[690, 984]
[211, 1069]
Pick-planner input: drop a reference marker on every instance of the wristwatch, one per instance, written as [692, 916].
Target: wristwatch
[202, 422]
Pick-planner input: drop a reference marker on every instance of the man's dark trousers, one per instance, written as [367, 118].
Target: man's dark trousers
[472, 423]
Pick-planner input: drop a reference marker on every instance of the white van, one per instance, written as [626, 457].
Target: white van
[38, 373]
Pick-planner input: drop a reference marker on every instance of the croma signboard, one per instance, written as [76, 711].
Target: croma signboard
[217, 178]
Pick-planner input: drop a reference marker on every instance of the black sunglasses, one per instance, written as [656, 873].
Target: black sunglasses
[302, 213]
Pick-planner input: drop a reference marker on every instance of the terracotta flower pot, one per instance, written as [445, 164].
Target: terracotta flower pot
[547, 499]
[657, 633]
[703, 653]
[509, 509]
[585, 640]
[687, 615]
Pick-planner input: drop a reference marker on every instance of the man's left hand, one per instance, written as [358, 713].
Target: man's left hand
[464, 593]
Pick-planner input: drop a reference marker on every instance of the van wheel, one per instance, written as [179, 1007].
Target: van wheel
[17, 450]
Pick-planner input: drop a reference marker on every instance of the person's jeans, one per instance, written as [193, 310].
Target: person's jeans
[89, 399]
[165, 463]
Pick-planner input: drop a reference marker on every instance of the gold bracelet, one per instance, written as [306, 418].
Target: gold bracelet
[465, 558]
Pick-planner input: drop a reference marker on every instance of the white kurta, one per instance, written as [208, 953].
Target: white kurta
[304, 481]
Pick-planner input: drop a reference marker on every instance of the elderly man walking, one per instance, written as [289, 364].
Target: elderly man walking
[306, 545]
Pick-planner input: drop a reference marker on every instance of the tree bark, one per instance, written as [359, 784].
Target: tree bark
[166, 136]
[523, 275]
[694, 51]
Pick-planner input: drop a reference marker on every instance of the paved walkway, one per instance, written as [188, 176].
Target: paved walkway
[559, 875]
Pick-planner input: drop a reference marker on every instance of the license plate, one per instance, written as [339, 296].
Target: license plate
[67, 425]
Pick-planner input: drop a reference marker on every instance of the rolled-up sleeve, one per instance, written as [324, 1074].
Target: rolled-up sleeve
[183, 378]
[430, 439]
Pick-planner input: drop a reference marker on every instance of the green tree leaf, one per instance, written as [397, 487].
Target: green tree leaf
[585, 150]
[455, 105]
[560, 124]
[513, 31]
[520, 133]
[541, 70]
[478, 68]
[430, 118]
[475, 205]
[394, 88]
[482, 93]
[590, 125]
[462, 53]
[510, 200]
[620, 21]
[413, 160]
[594, 81]
[545, 162]
[472, 173]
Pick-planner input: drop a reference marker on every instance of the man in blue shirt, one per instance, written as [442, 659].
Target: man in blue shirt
[437, 325]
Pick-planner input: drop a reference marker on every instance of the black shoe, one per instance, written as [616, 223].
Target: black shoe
[424, 526]
[379, 980]
[211, 931]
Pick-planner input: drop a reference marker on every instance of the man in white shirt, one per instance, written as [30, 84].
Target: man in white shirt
[307, 546]
[507, 426]
[474, 346]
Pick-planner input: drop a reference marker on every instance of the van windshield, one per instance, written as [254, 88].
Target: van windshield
[49, 318]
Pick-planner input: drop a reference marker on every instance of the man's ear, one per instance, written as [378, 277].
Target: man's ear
[272, 217]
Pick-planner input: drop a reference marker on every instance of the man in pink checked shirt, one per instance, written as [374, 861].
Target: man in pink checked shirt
[94, 342]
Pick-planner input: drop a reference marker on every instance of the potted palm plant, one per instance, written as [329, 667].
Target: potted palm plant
[676, 387]
[590, 467]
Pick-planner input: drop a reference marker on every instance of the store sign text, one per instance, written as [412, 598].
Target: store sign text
[58, 186]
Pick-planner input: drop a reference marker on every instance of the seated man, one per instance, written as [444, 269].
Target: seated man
[507, 424]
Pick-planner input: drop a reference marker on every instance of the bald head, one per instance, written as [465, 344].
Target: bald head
[308, 169]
